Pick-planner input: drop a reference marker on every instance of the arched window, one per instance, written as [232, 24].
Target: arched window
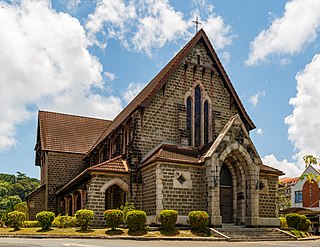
[197, 116]
[206, 121]
[189, 120]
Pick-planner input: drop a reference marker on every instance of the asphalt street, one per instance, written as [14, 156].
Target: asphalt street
[47, 242]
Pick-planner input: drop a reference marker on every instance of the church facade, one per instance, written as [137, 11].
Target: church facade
[182, 143]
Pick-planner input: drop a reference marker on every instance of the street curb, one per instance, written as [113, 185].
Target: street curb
[309, 239]
[113, 238]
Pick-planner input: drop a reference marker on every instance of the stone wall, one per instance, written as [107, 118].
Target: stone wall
[161, 116]
[96, 189]
[268, 196]
[148, 189]
[187, 196]
[36, 203]
[61, 168]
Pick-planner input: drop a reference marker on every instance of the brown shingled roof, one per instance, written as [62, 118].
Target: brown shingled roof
[157, 82]
[173, 153]
[116, 164]
[69, 133]
[269, 169]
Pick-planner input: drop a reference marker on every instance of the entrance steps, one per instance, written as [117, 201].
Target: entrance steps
[235, 233]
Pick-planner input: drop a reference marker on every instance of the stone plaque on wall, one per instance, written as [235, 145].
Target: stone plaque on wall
[182, 180]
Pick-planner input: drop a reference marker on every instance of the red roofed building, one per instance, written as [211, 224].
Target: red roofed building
[182, 143]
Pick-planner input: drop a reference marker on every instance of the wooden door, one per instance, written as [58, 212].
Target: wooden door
[226, 197]
[226, 205]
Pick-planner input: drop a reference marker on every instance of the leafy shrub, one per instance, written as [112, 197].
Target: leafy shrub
[129, 206]
[84, 218]
[283, 222]
[136, 220]
[64, 221]
[198, 220]
[305, 224]
[114, 218]
[45, 219]
[293, 220]
[15, 219]
[30, 223]
[168, 219]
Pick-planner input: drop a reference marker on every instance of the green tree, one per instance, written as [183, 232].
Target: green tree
[310, 160]
[284, 200]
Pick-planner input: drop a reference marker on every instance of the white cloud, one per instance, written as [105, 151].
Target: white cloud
[225, 57]
[71, 5]
[288, 34]
[132, 90]
[290, 169]
[149, 25]
[45, 62]
[110, 76]
[259, 132]
[304, 122]
[160, 24]
[217, 31]
[254, 99]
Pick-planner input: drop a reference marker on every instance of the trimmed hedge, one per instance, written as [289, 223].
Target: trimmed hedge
[45, 219]
[114, 217]
[84, 218]
[305, 223]
[136, 220]
[293, 220]
[283, 222]
[30, 223]
[198, 220]
[168, 219]
[64, 221]
[15, 219]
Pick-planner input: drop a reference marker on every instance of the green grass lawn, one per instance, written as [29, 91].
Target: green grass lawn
[101, 232]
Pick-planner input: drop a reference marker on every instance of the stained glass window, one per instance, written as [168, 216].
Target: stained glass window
[206, 121]
[189, 122]
[197, 116]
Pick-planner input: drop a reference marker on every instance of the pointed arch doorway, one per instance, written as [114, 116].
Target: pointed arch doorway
[226, 195]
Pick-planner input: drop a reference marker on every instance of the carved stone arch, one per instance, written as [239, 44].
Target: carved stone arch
[123, 185]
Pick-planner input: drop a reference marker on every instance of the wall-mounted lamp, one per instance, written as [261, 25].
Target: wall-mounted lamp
[216, 180]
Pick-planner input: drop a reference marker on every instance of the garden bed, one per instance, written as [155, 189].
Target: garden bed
[121, 232]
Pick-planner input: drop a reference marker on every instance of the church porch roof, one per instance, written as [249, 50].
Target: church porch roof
[114, 165]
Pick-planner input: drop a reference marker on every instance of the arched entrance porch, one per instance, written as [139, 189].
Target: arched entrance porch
[115, 197]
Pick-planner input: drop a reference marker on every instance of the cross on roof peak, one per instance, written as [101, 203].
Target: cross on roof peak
[197, 22]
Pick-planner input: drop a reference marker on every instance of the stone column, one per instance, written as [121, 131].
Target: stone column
[212, 176]
[74, 203]
[66, 204]
[253, 219]
[83, 197]
[159, 190]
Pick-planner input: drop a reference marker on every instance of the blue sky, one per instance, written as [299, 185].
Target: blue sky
[92, 57]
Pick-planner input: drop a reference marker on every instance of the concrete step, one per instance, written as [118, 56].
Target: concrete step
[239, 233]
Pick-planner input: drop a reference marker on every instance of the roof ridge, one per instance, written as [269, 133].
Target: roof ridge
[73, 115]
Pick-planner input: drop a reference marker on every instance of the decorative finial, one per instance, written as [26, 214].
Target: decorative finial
[197, 23]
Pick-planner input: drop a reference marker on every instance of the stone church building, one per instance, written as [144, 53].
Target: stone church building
[182, 143]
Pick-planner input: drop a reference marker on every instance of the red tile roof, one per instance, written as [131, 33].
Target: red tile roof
[69, 133]
[158, 81]
[289, 180]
